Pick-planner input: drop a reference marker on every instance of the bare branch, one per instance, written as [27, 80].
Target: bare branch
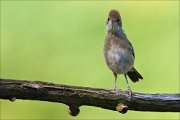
[75, 97]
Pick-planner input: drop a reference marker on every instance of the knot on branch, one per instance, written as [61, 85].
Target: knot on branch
[73, 110]
[122, 108]
[12, 99]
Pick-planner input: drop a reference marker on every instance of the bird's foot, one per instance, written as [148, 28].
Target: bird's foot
[129, 91]
[116, 90]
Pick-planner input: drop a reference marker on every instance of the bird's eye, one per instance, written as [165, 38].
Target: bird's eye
[108, 19]
[118, 20]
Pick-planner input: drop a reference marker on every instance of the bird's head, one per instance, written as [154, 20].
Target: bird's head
[113, 21]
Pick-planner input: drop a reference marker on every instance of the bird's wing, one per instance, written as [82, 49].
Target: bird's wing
[121, 34]
[131, 48]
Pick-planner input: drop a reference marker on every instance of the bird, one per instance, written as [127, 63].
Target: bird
[118, 51]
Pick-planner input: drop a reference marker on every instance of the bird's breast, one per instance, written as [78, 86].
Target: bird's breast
[118, 57]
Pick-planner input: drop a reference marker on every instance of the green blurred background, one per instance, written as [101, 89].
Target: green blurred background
[62, 42]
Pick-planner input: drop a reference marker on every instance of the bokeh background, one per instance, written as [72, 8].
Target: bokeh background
[62, 42]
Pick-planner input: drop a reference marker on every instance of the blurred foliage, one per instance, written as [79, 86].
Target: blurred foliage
[62, 42]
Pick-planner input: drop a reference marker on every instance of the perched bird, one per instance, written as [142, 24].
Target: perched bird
[118, 51]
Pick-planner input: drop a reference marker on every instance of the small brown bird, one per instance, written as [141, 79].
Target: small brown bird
[118, 51]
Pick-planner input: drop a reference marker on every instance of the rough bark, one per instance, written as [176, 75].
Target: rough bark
[75, 96]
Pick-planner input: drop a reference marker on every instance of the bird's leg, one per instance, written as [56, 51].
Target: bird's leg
[129, 91]
[115, 79]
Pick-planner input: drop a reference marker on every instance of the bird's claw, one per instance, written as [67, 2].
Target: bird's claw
[129, 91]
[115, 90]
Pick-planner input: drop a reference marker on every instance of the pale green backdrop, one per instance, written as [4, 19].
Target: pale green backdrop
[62, 42]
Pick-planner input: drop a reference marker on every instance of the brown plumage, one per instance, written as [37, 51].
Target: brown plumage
[114, 14]
[118, 51]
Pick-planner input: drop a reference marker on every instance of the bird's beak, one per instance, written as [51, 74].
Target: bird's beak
[112, 25]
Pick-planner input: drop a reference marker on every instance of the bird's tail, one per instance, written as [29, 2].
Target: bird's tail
[134, 75]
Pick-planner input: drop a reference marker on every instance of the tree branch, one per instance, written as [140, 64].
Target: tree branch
[75, 97]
